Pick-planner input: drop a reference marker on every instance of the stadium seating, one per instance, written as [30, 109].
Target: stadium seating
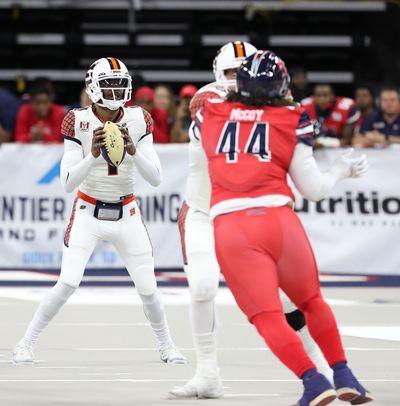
[174, 41]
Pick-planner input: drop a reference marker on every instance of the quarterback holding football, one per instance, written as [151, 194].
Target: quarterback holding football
[105, 207]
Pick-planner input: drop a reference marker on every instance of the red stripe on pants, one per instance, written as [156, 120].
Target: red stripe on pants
[71, 222]
[181, 224]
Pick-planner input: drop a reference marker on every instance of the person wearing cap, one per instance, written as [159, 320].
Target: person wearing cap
[144, 98]
[180, 128]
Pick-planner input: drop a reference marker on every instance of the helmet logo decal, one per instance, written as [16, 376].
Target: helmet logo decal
[114, 64]
[239, 49]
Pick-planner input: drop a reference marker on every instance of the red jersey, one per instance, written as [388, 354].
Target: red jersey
[249, 149]
[50, 125]
[332, 121]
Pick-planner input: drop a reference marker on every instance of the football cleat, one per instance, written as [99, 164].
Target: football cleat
[348, 388]
[317, 391]
[23, 354]
[171, 355]
[200, 387]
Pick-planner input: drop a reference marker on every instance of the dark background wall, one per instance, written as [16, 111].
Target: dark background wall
[339, 42]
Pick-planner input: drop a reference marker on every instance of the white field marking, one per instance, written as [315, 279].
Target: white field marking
[88, 324]
[9, 361]
[128, 296]
[245, 395]
[388, 333]
[9, 304]
[223, 349]
[104, 373]
[297, 380]
[62, 367]
[99, 324]
[131, 380]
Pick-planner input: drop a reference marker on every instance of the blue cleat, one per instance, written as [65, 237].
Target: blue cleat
[317, 390]
[347, 386]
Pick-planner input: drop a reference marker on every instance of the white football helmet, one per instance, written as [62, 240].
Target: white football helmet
[230, 56]
[108, 74]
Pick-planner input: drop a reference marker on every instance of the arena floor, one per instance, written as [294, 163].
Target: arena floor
[99, 351]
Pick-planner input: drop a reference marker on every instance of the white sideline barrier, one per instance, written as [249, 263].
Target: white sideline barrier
[355, 231]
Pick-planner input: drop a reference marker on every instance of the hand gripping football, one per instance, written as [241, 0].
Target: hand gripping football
[114, 150]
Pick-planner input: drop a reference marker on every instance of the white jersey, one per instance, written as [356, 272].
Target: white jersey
[198, 186]
[103, 181]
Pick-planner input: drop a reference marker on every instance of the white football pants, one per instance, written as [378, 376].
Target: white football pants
[128, 235]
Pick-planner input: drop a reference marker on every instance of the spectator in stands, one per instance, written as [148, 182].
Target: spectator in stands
[364, 98]
[299, 85]
[9, 106]
[180, 128]
[164, 98]
[144, 98]
[334, 116]
[382, 126]
[40, 120]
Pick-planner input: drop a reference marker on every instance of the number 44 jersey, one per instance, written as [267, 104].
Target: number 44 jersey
[249, 151]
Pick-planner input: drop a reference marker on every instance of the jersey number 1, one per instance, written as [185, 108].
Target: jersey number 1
[257, 143]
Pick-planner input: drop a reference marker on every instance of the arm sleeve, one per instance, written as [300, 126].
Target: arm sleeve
[74, 167]
[309, 180]
[147, 161]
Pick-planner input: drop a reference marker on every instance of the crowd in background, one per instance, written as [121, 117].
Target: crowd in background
[367, 120]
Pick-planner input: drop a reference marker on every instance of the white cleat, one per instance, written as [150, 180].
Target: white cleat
[23, 354]
[171, 355]
[200, 387]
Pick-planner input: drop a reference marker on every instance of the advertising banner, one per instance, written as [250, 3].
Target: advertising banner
[354, 231]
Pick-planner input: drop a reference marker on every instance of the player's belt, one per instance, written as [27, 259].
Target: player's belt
[124, 199]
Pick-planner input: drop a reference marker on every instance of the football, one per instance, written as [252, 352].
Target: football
[114, 150]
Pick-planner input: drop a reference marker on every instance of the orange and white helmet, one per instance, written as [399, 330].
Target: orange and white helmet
[108, 74]
[230, 56]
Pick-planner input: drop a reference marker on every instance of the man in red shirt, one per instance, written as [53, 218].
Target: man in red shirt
[335, 116]
[252, 141]
[40, 120]
[144, 97]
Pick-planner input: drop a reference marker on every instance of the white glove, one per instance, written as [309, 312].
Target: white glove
[329, 142]
[347, 167]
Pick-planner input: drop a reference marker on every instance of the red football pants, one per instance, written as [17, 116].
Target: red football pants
[260, 250]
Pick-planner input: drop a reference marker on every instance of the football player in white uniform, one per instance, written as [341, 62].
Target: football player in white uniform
[196, 229]
[105, 207]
